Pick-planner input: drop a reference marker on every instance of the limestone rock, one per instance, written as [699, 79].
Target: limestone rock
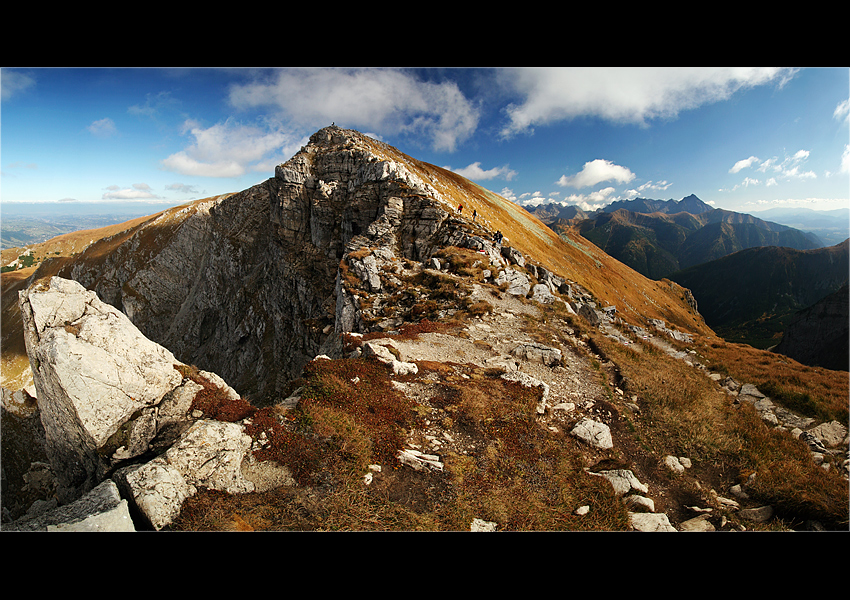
[98, 381]
[517, 283]
[548, 355]
[637, 501]
[762, 514]
[594, 433]
[513, 256]
[589, 314]
[700, 523]
[101, 509]
[829, 434]
[367, 270]
[383, 354]
[482, 525]
[675, 464]
[158, 490]
[209, 455]
[623, 481]
[650, 522]
[542, 293]
[106, 393]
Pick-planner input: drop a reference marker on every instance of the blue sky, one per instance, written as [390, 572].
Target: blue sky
[740, 138]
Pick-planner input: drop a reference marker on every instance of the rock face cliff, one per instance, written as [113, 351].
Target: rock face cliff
[247, 284]
[114, 404]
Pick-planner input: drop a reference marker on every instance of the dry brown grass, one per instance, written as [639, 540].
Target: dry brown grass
[785, 475]
[684, 413]
[520, 475]
[812, 391]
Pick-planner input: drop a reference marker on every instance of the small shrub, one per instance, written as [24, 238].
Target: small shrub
[291, 448]
[213, 401]
[373, 403]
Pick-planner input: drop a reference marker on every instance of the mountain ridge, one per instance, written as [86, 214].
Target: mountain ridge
[658, 238]
[758, 290]
[309, 233]
[416, 371]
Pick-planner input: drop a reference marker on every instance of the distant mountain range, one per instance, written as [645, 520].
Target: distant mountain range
[832, 226]
[751, 296]
[659, 237]
[749, 275]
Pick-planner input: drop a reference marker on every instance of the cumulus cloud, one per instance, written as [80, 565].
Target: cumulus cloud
[597, 171]
[138, 191]
[623, 94]
[527, 198]
[508, 194]
[476, 173]
[230, 149]
[594, 200]
[103, 128]
[387, 101]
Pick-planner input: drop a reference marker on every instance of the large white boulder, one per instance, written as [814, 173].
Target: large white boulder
[210, 455]
[98, 381]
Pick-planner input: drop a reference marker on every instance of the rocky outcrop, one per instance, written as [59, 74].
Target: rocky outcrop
[114, 404]
[100, 510]
[246, 285]
[98, 380]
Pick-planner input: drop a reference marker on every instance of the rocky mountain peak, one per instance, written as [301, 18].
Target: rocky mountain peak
[372, 320]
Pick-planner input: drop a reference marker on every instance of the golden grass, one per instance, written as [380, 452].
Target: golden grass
[684, 413]
[813, 391]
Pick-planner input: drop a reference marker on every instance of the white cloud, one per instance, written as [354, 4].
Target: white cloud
[230, 150]
[791, 167]
[597, 171]
[385, 100]
[13, 83]
[139, 191]
[842, 111]
[744, 164]
[592, 201]
[476, 173]
[624, 94]
[508, 194]
[649, 186]
[103, 128]
[845, 160]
